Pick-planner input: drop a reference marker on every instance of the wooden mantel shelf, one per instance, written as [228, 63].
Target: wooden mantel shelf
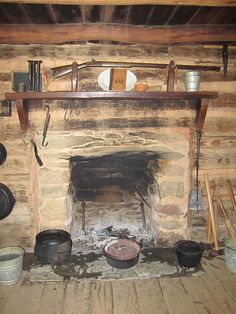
[112, 95]
[203, 98]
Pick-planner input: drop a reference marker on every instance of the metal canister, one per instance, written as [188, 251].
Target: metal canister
[192, 81]
[34, 75]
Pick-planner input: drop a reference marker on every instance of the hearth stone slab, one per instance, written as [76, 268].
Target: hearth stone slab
[153, 263]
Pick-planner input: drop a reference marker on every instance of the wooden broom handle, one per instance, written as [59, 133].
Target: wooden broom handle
[211, 209]
[231, 194]
[209, 227]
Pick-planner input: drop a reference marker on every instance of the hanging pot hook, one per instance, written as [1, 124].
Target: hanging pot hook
[46, 123]
[66, 114]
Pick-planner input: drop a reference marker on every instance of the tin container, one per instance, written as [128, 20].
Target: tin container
[192, 81]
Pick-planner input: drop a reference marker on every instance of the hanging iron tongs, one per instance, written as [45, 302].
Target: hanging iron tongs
[198, 138]
[46, 124]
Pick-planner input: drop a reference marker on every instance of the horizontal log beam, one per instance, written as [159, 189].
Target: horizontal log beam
[214, 3]
[113, 95]
[64, 33]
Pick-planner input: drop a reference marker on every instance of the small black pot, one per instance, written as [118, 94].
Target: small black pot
[189, 253]
[53, 246]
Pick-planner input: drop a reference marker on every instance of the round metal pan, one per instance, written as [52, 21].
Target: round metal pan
[122, 253]
[7, 201]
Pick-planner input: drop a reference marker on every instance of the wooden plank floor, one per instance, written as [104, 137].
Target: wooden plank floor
[213, 292]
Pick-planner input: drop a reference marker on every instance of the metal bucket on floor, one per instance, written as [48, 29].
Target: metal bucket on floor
[11, 264]
[192, 81]
[230, 254]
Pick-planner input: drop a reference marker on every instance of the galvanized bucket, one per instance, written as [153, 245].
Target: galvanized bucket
[11, 264]
[192, 81]
[230, 254]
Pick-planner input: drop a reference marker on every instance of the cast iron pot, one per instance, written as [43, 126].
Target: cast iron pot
[189, 253]
[53, 246]
[3, 153]
[7, 201]
[122, 253]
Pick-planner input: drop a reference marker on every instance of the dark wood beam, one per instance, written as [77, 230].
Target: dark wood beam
[51, 13]
[175, 9]
[26, 16]
[5, 13]
[126, 20]
[112, 95]
[194, 15]
[212, 3]
[150, 14]
[106, 13]
[63, 33]
[86, 13]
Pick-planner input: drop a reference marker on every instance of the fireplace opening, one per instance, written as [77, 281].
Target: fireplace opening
[113, 194]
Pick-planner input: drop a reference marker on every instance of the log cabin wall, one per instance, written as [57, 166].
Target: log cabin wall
[21, 173]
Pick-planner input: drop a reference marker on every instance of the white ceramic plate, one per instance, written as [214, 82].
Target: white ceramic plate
[104, 80]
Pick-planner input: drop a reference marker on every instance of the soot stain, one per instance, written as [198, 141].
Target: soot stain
[76, 266]
[162, 255]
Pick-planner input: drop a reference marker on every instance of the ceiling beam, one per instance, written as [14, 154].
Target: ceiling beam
[64, 33]
[212, 3]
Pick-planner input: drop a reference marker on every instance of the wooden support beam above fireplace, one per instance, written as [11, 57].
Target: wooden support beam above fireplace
[23, 100]
[215, 3]
[130, 34]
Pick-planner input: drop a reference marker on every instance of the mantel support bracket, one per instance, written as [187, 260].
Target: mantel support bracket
[22, 110]
[201, 114]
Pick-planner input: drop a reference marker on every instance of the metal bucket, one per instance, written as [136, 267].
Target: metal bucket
[230, 254]
[11, 264]
[192, 81]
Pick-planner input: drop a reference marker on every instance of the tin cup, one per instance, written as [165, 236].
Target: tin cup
[20, 87]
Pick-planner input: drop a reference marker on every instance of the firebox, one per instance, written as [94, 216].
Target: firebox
[113, 191]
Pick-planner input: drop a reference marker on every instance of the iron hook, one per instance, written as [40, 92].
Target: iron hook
[46, 124]
[46, 107]
[66, 115]
[43, 142]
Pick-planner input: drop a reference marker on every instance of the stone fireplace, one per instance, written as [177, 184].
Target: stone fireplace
[103, 172]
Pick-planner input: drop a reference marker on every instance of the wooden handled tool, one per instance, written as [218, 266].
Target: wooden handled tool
[209, 227]
[231, 194]
[211, 211]
[229, 226]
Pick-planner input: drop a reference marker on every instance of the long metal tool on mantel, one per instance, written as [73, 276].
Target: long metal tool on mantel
[66, 69]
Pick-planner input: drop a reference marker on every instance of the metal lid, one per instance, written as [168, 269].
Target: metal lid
[122, 249]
